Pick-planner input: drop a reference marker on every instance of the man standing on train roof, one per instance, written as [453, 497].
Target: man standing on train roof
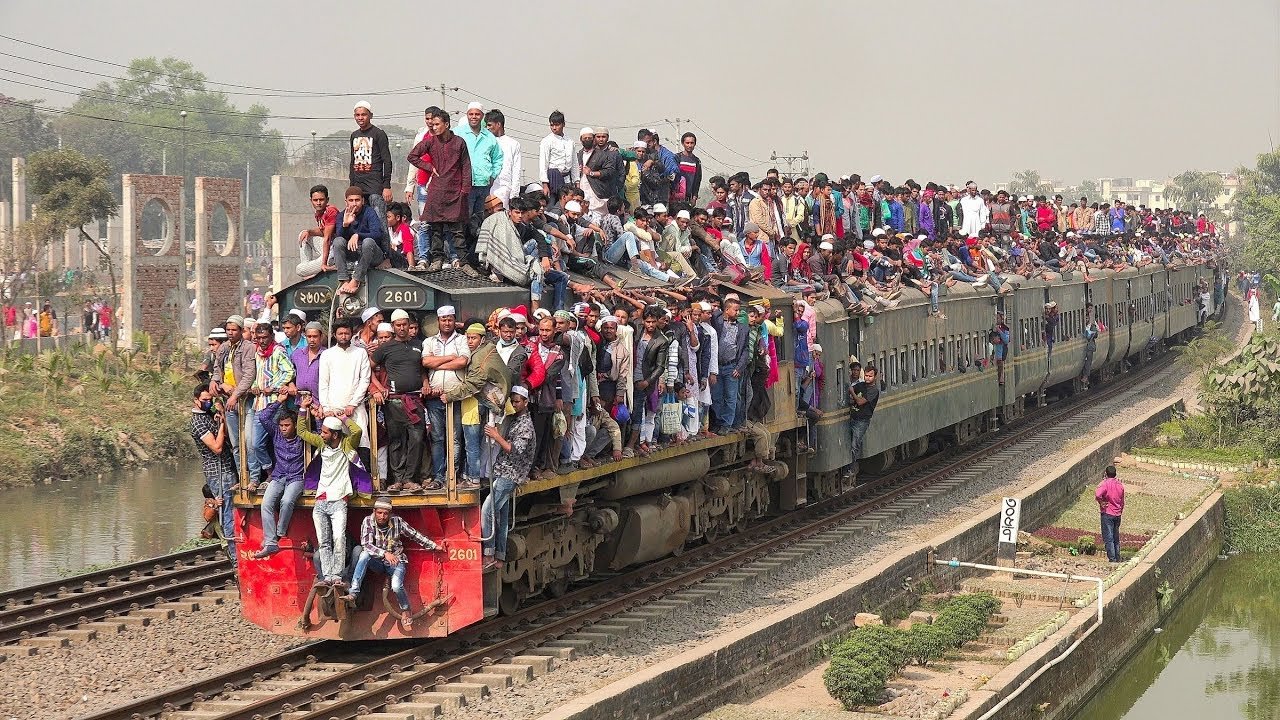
[443, 155]
[515, 441]
[511, 175]
[371, 163]
[485, 154]
[863, 395]
[382, 549]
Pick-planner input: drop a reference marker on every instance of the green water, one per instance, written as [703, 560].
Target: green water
[1218, 656]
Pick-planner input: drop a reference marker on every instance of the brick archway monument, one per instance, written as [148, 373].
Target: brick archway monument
[218, 271]
[155, 292]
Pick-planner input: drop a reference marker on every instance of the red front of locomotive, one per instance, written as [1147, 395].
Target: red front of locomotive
[280, 593]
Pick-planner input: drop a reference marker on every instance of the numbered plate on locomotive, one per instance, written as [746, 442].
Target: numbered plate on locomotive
[313, 297]
[407, 297]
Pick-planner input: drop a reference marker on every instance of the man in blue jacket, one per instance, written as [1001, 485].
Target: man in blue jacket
[357, 245]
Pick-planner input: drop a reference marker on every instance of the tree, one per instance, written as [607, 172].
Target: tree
[23, 130]
[1194, 190]
[74, 191]
[1029, 182]
[1257, 207]
[1087, 189]
[143, 132]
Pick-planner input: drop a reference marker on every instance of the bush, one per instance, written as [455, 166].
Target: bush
[853, 683]
[862, 664]
[927, 642]
[1086, 545]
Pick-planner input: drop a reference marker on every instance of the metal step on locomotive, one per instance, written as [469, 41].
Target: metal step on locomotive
[938, 390]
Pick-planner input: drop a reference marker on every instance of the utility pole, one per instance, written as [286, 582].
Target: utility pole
[315, 160]
[792, 160]
[442, 88]
[679, 125]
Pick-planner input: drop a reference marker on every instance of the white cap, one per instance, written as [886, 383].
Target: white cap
[520, 390]
[868, 244]
[573, 206]
[704, 306]
[519, 319]
[878, 232]
[828, 237]
[445, 311]
[922, 237]
[363, 104]
[541, 313]
[639, 145]
[876, 178]
[683, 215]
[816, 348]
[333, 424]
[368, 313]
[824, 245]
[586, 131]
[385, 327]
[298, 314]
[399, 315]
[474, 106]
[659, 208]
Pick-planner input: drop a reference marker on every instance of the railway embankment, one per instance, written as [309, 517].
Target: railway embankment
[780, 647]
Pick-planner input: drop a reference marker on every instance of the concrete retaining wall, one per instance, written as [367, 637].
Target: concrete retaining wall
[1132, 610]
[782, 646]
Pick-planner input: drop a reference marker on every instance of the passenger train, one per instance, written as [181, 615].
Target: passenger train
[938, 389]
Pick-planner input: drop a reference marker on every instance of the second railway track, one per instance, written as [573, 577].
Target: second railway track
[332, 680]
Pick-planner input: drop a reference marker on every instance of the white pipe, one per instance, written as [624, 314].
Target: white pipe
[955, 563]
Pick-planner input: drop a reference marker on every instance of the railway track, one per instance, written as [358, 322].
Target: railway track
[63, 604]
[326, 680]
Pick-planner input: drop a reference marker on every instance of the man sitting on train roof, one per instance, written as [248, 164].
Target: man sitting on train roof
[382, 549]
[357, 247]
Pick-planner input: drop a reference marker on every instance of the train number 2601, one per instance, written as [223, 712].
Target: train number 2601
[463, 554]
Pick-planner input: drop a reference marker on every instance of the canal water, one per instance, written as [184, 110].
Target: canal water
[55, 530]
[1217, 657]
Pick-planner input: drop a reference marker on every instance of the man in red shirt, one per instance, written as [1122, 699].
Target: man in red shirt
[313, 260]
[1110, 497]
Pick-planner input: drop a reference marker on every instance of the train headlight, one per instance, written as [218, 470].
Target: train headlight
[351, 305]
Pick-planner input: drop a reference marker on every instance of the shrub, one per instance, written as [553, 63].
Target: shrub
[1086, 545]
[853, 683]
[927, 642]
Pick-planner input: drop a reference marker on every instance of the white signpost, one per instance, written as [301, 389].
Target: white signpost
[1007, 533]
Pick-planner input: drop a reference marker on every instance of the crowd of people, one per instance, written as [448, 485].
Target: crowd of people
[594, 371]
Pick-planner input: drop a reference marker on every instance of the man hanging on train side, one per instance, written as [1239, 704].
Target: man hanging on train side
[383, 550]
[863, 394]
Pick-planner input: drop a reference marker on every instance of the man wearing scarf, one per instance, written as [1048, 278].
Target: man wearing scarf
[499, 246]
[274, 373]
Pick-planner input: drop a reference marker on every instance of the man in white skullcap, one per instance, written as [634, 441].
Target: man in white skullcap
[371, 163]
[515, 441]
[402, 404]
[485, 153]
[336, 442]
[382, 549]
[445, 356]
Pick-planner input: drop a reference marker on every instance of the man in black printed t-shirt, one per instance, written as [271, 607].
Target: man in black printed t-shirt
[863, 396]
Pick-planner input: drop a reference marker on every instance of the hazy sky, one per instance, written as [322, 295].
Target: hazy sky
[930, 90]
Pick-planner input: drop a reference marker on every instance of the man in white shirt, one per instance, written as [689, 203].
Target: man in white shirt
[974, 211]
[344, 382]
[555, 156]
[445, 356]
[511, 176]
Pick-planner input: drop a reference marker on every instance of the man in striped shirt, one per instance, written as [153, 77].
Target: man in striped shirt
[383, 550]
